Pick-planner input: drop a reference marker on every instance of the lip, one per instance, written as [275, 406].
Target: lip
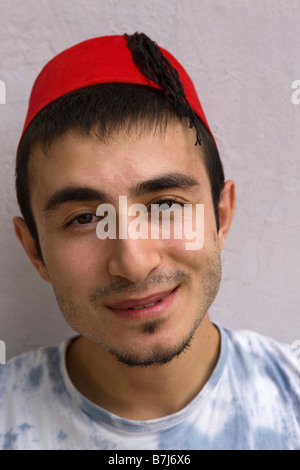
[131, 303]
[124, 309]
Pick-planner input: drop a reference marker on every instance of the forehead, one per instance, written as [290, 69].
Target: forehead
[118, 162]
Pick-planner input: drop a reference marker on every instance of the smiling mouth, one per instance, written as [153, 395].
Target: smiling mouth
[144, 306]
[148, 306]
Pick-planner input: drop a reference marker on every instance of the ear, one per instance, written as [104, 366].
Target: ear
[29, 245]
[226, 210]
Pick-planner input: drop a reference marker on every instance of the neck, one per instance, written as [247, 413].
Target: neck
[142, 393]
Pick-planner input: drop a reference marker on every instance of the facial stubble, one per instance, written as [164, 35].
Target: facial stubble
[159, 354]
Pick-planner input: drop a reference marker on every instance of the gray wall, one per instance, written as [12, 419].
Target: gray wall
[243, 56]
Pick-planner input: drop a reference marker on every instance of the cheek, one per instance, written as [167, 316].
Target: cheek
[198, 240]
[175, 252]
[75, 259]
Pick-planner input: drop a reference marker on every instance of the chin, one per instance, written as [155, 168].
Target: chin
[159, 351]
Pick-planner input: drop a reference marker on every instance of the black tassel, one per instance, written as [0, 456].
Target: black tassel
[155, 66]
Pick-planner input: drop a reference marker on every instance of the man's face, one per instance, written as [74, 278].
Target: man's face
[97, 282]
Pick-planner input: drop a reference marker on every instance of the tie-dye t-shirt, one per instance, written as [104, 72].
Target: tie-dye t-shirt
[251, 401]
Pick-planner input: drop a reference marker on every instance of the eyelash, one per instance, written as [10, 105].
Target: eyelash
[173, 200]
[73, 220]
[84, 213]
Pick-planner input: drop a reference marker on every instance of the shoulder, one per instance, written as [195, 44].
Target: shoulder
[29, 377]
[259, 389]
[266, 361]
[249, 344]
[32, 393]
[30, 368]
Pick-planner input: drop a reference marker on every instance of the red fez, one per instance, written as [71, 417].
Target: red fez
[105, 59]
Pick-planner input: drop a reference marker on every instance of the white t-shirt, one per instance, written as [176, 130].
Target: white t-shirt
[251, 401]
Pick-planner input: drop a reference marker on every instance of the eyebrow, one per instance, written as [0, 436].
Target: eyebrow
[75, 193]
[166, 181]
[72, 194]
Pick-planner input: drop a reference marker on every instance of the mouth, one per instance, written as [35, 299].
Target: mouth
[145, 307]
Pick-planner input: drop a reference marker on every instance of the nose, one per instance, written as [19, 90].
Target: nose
[134, 259]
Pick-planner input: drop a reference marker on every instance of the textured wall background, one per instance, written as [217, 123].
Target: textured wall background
[243, 56]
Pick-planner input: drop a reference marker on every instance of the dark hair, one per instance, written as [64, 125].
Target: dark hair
[105, 108]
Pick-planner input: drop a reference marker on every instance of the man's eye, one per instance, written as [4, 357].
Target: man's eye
[84, 219]
[167, 204]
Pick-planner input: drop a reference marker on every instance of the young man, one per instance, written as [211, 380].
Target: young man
[113, 120]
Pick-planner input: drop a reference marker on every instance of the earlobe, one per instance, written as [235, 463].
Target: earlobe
[226, 211]
[23, 234]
